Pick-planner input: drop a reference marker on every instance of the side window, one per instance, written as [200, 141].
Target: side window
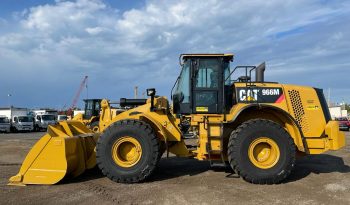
[89, 109]
[227, 73]
[207, 74]
[183, 86]
[89, 105]
[97, 106]
[38, 117]
[15, 119]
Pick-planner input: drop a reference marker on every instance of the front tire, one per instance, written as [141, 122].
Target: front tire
[128, 151]
[261, 152]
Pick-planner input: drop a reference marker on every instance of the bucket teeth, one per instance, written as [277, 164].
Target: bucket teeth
[16, 180]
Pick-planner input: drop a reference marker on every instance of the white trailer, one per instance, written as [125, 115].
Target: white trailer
[75, 112]
[19, 119]
[45, 111]
[337, 112]
[344, 113]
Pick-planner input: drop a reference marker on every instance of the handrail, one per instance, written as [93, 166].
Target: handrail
[246, 71]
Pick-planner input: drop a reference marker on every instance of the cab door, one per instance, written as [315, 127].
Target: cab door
[207, 86]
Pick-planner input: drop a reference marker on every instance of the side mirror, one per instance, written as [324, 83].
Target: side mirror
[151, 92]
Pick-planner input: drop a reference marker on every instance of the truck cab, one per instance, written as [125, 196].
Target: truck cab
[62, 117]
[5, 125]
[43, 120]
[22, 123]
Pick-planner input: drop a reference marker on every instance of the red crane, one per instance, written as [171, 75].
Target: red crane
[77, 95]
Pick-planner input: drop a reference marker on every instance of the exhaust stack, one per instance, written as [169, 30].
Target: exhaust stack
[259, 73]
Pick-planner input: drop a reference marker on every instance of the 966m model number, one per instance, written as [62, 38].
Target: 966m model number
[270, 92]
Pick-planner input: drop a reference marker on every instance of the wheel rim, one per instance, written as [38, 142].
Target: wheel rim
[264, 152]
[126, 152]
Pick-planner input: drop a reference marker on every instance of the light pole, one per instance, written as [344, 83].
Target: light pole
[9, 99]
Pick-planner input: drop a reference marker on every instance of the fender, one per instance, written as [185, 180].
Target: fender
[167, 128]
[161, 121]
[264, 106]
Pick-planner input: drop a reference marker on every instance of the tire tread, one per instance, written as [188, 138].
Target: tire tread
[233, 149]
[149, 168]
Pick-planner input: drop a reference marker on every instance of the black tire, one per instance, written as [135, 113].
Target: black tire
[14, 129]
[95, 126]
[150, 156]
[238, 147]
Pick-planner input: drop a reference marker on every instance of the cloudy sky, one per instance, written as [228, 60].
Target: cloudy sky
[47, 47]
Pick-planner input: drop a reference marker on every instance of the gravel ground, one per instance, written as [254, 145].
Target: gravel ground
[319, 179]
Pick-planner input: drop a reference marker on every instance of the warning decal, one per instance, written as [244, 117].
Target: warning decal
[202, 109]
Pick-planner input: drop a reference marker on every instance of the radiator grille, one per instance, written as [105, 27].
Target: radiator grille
[298, 110]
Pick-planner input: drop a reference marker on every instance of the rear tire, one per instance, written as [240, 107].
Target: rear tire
[261, 152]
[116, 155]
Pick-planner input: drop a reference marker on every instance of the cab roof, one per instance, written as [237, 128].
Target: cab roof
[225, 55]
[92, 99]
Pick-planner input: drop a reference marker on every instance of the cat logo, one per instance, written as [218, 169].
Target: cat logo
[248, 95]
[260, 95]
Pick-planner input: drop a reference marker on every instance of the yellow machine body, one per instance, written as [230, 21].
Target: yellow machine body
[80, 117]
[69, 147]
[296, 110]
[164, 124]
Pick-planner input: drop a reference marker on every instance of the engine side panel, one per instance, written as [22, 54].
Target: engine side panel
[306, 107]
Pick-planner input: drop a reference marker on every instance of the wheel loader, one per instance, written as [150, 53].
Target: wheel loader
[256, 127]
[90, 118]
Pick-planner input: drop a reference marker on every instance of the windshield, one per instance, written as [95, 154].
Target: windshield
[62, 117]
[48, 117]
[25, 119]
[207, 74]
[4, 120]
[183, 85]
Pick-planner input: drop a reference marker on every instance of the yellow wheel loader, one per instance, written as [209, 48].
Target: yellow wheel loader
[90, 118]
[256, 127]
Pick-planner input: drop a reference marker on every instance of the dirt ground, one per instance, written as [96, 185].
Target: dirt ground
[319, 179]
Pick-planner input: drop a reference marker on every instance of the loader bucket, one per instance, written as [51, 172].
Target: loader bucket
[67, 149]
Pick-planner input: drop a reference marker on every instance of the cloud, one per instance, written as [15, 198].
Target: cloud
[47, 50]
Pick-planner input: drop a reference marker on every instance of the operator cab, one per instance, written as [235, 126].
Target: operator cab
[203, 85]
[92, 108]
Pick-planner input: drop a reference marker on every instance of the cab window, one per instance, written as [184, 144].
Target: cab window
[207, 74]
[183, 86]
